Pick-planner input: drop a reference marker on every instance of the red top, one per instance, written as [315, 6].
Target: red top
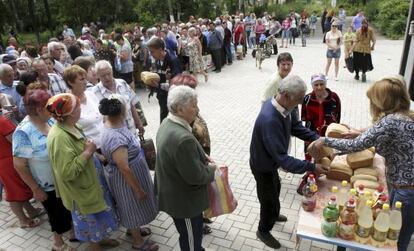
[238, 34]
[6, 128]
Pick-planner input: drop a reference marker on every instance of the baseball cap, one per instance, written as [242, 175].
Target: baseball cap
[318, 77]
[9, 59]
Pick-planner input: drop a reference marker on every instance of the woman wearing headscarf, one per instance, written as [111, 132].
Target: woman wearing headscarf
[76, 181]
[127, 172]
[31, 161]
[363, 46]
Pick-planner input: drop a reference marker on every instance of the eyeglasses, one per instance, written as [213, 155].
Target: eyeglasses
[334, 26]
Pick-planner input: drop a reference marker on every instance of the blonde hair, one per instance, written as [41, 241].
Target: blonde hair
[71, 73]
[389, 95]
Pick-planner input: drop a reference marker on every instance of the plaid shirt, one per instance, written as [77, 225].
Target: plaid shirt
[57, 85]
[123, 89]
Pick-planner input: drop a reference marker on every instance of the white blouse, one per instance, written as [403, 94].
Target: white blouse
[91, 120]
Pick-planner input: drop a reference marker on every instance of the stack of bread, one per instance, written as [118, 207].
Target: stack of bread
[148, 77]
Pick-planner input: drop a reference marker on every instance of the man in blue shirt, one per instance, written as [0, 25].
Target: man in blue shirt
[357, 21]
[8, 86]
[276, 123]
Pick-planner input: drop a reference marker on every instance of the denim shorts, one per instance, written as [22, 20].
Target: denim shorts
[333, 53]
[285, 34]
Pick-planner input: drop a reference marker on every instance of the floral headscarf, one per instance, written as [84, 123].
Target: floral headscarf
[62, 105]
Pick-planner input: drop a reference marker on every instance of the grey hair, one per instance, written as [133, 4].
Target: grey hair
[192, 31]
[237, 21]
[102, 64]
[3, 69]
[292, 86]
[180, 95]
[52, 45]
[151, 31]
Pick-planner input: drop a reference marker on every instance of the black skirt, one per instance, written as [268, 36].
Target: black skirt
[60, 218]
[362, 62]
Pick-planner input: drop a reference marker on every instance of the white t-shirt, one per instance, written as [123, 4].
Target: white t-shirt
[91, 119]
[332, 39]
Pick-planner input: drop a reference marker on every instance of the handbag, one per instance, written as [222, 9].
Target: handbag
[148, 147]
[208, 62]
[220, 197]
[350, 63]
[141, 114]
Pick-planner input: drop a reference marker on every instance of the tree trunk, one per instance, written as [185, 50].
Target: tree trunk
[49, 17]
[17, 22]
[170, 10]
[30, 4]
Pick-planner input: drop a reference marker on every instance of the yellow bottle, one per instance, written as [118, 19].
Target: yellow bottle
[395, 222]
[342, 195]
[382, 224]
[365, 220]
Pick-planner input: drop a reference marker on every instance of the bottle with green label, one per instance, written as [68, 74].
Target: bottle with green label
[330, 216]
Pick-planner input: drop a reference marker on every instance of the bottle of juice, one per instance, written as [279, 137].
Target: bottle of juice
[334, 191]
[378, 206]
[362, 201]
[348, 219]
[330, 216]
[342, 195]
[382, 224]
[309, 191]
[365, 220]
[395, 222]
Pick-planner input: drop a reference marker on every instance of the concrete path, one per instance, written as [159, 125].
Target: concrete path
[230, 102]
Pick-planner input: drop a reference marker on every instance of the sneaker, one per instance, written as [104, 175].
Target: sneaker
[364, 78]
[356, 77]
[336, 78]
[268, 239]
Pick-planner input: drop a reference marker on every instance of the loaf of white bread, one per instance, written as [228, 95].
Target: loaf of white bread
[339, 169]
[147, 77]
[323, 152]
[360, 159]
[335, 130]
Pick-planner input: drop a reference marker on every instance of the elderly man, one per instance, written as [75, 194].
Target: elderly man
[54, 82]
[182, 171]
[284, 66]
[166, 66]
[8, 88]
[110, 85]
[276, 122]
[55, 50]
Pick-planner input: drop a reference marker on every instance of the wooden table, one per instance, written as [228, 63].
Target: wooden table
[309, 224]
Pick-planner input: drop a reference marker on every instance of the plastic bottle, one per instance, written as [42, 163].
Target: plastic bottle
[334, 191]
[378, 206]
[362, 201]
[382, 224]
[395, 222]
[342, 195]
[348, 220]
[360, 190]
[352, 195]
[365, 220]
[330, 216]
[309, 190]
[379, 192]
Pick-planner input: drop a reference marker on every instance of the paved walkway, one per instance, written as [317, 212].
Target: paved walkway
[230, 102]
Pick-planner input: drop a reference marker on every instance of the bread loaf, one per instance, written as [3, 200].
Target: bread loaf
[323, 152]
[367, 183]
[339, 169]
[147, 77]
[372, 149]
[363, 177]
[334, 174]
[325, 161]
[366, 171]
[360, 159]
[335, 130]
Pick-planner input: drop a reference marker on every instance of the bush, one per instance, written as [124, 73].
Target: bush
[392, 17]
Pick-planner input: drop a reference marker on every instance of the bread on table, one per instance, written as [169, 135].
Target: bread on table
[367, 171]
[325, 161]
[363, 177]
[335, 130]
[360, 159]
[339, 169]
[148, 77]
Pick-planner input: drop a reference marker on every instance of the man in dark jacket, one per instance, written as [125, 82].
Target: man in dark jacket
[166, 66]
[277, 121]
[215, 43]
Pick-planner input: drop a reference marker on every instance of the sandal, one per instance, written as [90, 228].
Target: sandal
[206, 229]
[32, 223]
[207, 220]
[40, 212]
[64, 247]
[145, 231]
[110, 243]
[147, 245]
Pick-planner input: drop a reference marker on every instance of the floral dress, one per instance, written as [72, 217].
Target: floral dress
[196, 61]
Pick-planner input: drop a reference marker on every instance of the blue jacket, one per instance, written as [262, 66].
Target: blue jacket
[215, 41]
[270, 141]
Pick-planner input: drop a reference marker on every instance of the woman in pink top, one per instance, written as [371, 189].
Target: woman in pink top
[286, 30]
[259, 29]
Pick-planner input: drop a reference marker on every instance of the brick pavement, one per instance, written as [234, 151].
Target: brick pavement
[230, 102]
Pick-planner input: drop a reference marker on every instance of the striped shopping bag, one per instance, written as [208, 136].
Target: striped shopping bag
[220, 196]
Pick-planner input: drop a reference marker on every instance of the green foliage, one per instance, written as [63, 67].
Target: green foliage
[392, 17]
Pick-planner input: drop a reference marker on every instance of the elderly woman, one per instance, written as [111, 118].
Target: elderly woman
[333, 42]
[76, 180]
[259, 29]
[320, 108]
[194, 47]
[239, 38]
[110, 85]
[88, 64]
[182, 172]
[31, 161]
[127, 173]
[392, 137]
[362, 47]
